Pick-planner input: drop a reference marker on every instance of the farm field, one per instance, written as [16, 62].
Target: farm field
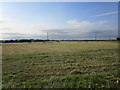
[83, 64]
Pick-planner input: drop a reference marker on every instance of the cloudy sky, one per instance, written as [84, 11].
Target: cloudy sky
[61, 20]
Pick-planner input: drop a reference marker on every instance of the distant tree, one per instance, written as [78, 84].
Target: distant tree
[118, 38]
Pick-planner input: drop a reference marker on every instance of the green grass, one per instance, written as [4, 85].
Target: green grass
[61, 65]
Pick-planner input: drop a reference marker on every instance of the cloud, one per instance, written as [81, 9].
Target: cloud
[84, 30]
[87, 26]
[105, 14]
[75, 23]
[8, 27]
[74, 30]
[21, 36]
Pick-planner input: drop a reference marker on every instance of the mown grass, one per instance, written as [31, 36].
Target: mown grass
[93, 67]
[48, 47]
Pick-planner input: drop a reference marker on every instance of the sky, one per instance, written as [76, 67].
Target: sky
[61, 20]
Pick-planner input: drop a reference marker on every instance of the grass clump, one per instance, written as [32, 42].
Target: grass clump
[75, 71]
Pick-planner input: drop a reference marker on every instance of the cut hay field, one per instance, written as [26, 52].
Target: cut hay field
[83, 64]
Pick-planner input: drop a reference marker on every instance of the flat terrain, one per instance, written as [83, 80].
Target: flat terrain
[83, 64]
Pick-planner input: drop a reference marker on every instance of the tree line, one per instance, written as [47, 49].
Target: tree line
[40, 40]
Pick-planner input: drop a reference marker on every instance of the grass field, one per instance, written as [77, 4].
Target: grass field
[84, 64]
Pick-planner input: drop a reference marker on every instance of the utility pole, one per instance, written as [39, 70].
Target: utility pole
[95, 36]
[47, 36]
[109, 38]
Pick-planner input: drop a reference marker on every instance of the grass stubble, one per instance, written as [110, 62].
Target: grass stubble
[92, 64]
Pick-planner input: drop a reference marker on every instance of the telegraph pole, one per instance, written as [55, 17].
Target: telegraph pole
[95, 36]
[47, 36]
[109, 37]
